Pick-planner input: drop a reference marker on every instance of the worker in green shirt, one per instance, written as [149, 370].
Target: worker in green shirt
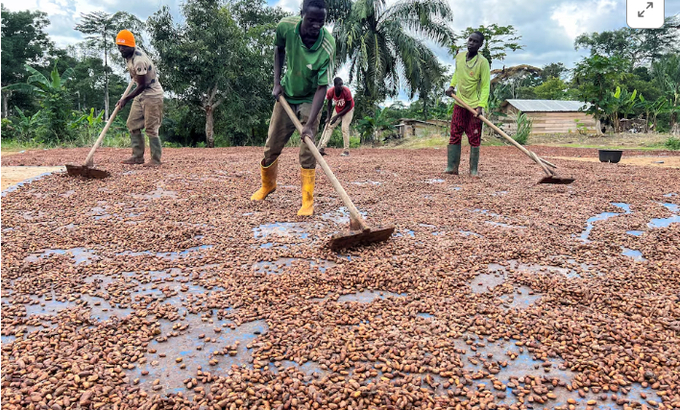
[472, 79]
[309, 52]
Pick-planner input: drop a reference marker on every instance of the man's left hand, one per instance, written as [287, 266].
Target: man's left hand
[480, 111]
[121, 103]
[334, 119]
[307, 132]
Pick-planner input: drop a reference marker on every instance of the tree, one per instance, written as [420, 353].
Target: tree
[518, 80]
[666, 73]
[640, 47]
[552, 89]
[52, 95]
[596, 77]
[101, 29]
[498, 40]
[553, 70]
[210, 60]
[381, 45]
[24, 41]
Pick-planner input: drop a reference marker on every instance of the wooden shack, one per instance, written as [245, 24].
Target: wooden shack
[549, 116]
[408, 128]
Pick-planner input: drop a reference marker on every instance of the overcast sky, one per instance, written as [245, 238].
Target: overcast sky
[547, 27]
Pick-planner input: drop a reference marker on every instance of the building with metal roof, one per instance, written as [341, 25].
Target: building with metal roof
[548, 116]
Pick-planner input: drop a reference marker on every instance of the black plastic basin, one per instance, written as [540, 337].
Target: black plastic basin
[610, 155]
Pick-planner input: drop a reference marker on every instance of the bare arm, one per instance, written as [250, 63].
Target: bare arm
[329, 114]
[141, 86]
[279, 58]
[317, 104]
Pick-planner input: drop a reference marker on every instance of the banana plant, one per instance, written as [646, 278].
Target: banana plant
[27, 124]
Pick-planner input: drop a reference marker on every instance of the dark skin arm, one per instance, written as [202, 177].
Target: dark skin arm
[141, 86]
[451, 91]
[329, 114]
[341, 113]
[317, 105]
[279, 58]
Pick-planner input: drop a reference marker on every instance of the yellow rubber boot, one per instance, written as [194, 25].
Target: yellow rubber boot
[308, 177]
[268, 181]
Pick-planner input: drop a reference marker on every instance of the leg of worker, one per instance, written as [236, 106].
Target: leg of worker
[308, 164]
[280, 130]
[153, 117]
[453, 150]
[474, 132]
[327, 134]
[135, 123]
[346, 121]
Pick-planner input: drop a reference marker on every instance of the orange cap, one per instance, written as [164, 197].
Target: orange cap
[125, 38]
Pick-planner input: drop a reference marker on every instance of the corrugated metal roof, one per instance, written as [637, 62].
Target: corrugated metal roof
[546, 105]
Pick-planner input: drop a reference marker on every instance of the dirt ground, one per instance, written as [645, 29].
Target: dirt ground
[623, 140]
[168, 288]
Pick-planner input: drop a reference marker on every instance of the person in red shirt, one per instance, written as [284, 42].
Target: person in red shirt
[340, 97]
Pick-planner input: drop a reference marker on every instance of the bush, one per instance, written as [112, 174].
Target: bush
[524, 126]
[672, 143]
[7, 129]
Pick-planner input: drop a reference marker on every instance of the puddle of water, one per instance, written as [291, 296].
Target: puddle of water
[486, 281]
[635, 233]
[278, 266]
[367, 182]
[434, 181]
[291, 229]
[622, 205]
[671, 207]
[80, 255]
[601, 217]
[156, 194]
[229, 348]
[470, 233]
[51, 307]
[368, 296]
[341, 216]
[521, 298]
[502, 225]
[664, 222]
[425, 315]
[636, 255]
[569, 273]
[672, 194]
[498, 193]
[311, 369]
[167, 255]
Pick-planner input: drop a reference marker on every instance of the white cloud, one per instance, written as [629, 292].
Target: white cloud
[580, 17]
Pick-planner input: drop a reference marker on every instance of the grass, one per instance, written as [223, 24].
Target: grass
[656, 147]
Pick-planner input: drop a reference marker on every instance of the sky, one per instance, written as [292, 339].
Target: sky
[548, 27]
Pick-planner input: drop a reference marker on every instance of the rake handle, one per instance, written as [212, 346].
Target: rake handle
[89, 161]
[354, 214]
[530, 154]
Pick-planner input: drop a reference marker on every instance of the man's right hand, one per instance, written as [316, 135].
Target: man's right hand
[277, 91]
[450, 91]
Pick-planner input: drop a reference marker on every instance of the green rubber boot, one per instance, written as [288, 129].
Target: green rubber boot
[474, 161]
[453, 159]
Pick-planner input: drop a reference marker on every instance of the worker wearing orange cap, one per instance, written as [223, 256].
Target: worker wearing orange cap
[146, 112]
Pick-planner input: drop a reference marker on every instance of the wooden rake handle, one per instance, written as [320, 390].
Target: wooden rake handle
[530, 154]
[89, 161]
[355, 216]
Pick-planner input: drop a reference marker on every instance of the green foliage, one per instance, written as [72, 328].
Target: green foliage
[213, 45]
[639, 47]
[386, 45]
[551, 89]
[581, 128]
[100, 29]
[672, 143]
[524, 126]
[498, 40]
[24, 41]
[371, 126]
[55, 106]
[595, 76]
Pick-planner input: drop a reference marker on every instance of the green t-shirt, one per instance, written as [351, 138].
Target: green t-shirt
[306, 68]
[472, 80]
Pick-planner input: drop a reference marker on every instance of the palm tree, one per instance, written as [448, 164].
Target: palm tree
[666, 72]
[101, 29]
[387, 45]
